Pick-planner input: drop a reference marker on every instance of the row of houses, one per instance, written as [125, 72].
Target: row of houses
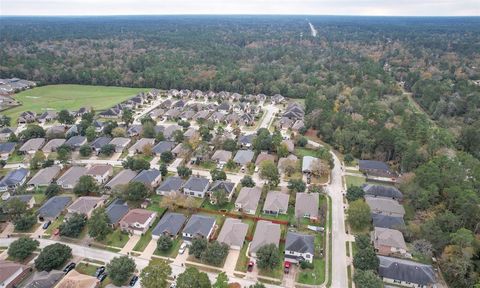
[13, 85]
[224, 96]
[133, 103]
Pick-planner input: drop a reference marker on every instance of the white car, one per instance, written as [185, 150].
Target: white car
[182, 249]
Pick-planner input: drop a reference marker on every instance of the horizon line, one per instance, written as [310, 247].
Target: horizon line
[233, 14]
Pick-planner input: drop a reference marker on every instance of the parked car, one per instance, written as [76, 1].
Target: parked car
[102, 276]
[69, 267]
[46, 224]
[56, 232]
[99, 271]
[286, 267]
[133, 280]
[182, 249]
[250, 266]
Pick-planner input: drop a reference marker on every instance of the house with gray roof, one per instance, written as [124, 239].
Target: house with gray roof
[387, 221]
[54, 206]
[120, 143]
[168, 133]
[385, 206]
[306, 206]
[171, 185]
[199, 226]
[85, 205]
[382, 191]
[70, 178]
[233, 233]
[44, 279]
[246, 141]
[134, 130]
[222, 156]
[308, 163]
[5, 133]
[376, 168]
[100, 172]
[276, 203]
[406, 273]
[32, 145]
[99, 142]
[151, 178]
[299, 247]
[47, 116]
[196, 186]
[28, 199]
[14, 179]
[243, 157]
[181, 150]
[122, 178]
[247, 200]
[44, 177]
[388, 242]
[115, 212]
[138, 147]
[266, 233]
[6, 149]
[53, 145]
[76, 142]
[226, 187]
[264, 156]
[163, 146]
[170, 224]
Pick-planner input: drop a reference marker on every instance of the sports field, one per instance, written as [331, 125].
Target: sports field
[72, 97]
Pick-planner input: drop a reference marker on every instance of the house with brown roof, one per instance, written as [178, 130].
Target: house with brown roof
[122, 178]
[264, 156]
[12, 273]
[32, 145]
[75, 279]
[85, 205]
[247, 200]
[137, 221]
[100, 172]
[138, 147]
[388, 242]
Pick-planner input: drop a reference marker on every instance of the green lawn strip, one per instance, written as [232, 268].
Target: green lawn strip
[15, 158]
[329, 283]
[227, 207]
[242, 260]
[349, 275]
[347, 247]
[354, 248]
[70, 97]
[172, 252]
[87, 269]
[315, 276]
[355, 181]
[145, 238]
[116, 238]
[39, 198]
[301, 152]
[55, 224]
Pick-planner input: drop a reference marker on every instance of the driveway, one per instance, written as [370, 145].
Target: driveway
[130, 244]
[231, 261]
[8, 230]
[149, 250]
[289, 279]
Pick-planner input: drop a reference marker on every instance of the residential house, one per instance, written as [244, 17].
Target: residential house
[374, 168]
[171, 185]
[170, 224]
[385, 206]
[44, 279]
[285, 123]
[53, 145]
[111, 113]
[196, 186]
[276, 203]
[282, 162]
[247, 119]
[100, 172]
[44, 177]
[266, 233]
[134, 130]
[243, 157]
[116, 211]
[28, 199]
[246, 141]
[388, 242]
[233, 233]
[191, 133]
[163, 146]
[222, 156]
[76, 279]
[82, 111]
[172, 114]
[217, 117]
[277, 99]
[187, 115]
[54, 206]
[387, 221]
[140, 145]
[6, 149]
[137, 221]
[299, 247]
[247, 200]
[85, 205]
[47, 116]
[290, 145]
[201, 115]
[120, 143]
[180, 150]
[232, 118]
[406, 273]
[122, 178]
[168, 132]
[99, 143]
[27, 117]
[199, 226]
[298, 125]
[306, 206]
[157, 113]
[32, 145]
[226, 187]
[70, 178]
[5, 133]
[14, 179]
[12, 273]
[264, 156]
[179, 104]
[294, 111]
[308, 164]
[382, 191]
[76, 142]
[56, 131]
[151, 178]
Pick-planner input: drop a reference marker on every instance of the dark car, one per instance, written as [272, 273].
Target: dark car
[102, 276]
[46, 224]
[69, 267]
[99, 271]
[134, 280]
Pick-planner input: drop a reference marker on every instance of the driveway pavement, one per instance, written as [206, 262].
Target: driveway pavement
[149, 250]
[130, 244]
[231, 261]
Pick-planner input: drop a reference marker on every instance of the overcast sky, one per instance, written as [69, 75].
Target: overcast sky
[309, 7]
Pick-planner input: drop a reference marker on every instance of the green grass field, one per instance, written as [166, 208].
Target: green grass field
[71, 97]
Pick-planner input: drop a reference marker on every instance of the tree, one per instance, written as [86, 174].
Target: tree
[230, 145]
[127, 117]
[98, 227]
[367, 279]
[120, 269]
[73, 226]
[32, 131]
[21, 248]
[358, 215]
[257, 285]
[268, 257]
[85, 150]
[215, 253]
[147, 149]
[5, 121]
[63, 153]
[230, 165]
[156, 275]
[15, 208]
[423, 248]
[136, 164]
[184, 171]
[37, 160]
[218, 174]
[222, 281]
[192, 278]
[25, 222]
[48, 163]
[199, 245]
[172, 200]
[219, 197]
[205, 133]
[163, 169]
[148, 130]
[52, 190]
[247, 181]
[354, 193]
[107, 150]
[52, 257]
[86, 184]
[166, 157]
[282, 150]
[90, 133]
[269, 171]
[136, 191]
[363, 241]
[65, 117]
[164, 243]
[262, 141]
[118, 132]
[297, 185]
[177, 136]
[160, 137]
[348, 158]
[366, 259]
[12, 138]
[302, 141]
[462, 238]
[290, 166]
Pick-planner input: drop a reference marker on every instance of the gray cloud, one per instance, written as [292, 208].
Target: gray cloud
[308, 7]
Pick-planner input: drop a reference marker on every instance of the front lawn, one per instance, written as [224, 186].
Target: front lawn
[145, 238]
[87, 269]
[315, 276]
[226, 207]
[172, 252]
[353, 180]
[15, 158]
[55, 224]
[301, 152]
[242, 260]
[117, 239]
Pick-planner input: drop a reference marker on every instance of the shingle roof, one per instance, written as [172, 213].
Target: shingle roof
[14, 177]
[265, 233]
[137, 216]
[306, 203]
[388, 237]
[307, 163]
[76, 141]
[385, 221]
[45, 176]
[99, 169]
[233, 232]
[72, 175]
[276, 201]
[116, 210]
[147, 176]
[54, 206]
[32, 144]
[243, 157]
[199, 225]
[172, 183]
[8, 147]
[53, 145]
[246, 139]
[373, 165]
[385, 206]
[8, 268]
[225, 186]
[45, 279]
[100, 142]
[121, 178]
[382, 191]
[163, 146]
[120, 141]
[195, 183]
[170, 223]
[405, 270]
[140, 144]
[85, 204]
[249, 197]
[301, 243]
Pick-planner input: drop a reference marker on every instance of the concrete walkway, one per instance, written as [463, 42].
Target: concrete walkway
[149, 250]
[130, 244]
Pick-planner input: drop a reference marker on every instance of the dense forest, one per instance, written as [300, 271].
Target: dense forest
[400, 90]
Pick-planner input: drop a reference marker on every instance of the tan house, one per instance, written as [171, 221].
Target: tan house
[389, 242]
[75, 279]
[11, 273]
[100, 172]
[137, 221]
[85, 205]
[266, 233]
